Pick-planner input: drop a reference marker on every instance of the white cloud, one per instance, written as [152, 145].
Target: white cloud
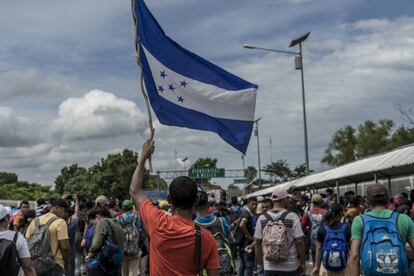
[15, 130]
[97, 114]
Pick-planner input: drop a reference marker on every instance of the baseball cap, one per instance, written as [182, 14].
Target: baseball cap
[292, 190]
[126, 205]
[279, 194]
[164, 204]
[101, 200]
[317, 198]
[377, 191]
[60, 203]
[260, 199]
[4, 211]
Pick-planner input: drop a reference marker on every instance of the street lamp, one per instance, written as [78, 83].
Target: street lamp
[298, 66]
[184, 161]
[256, 133]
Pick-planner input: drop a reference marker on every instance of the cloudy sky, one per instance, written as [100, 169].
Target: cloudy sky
[69, 86]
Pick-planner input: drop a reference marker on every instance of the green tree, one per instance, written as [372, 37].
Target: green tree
[6, 178]
[205, 163]
[299, 171]
[279, 169]
[250, 173]
[111, 177]
[348, 144]
[342, 148]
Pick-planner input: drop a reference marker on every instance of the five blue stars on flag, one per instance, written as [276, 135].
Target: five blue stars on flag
[171, 87]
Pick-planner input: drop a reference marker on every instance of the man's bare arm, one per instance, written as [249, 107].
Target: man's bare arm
[65, 249]
[27, 266]
[354, 258]
[301, 248]
[244, 229]
[259, 252]
[136, 190]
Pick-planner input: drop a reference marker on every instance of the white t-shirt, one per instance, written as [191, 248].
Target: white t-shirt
[21, 244]
[294, 231]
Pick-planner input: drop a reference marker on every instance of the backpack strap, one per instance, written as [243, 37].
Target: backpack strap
[37, 222]
[50, 221]
[284, 215]
[268, 217]
[16, 235]
[110, 228]
[198, 248]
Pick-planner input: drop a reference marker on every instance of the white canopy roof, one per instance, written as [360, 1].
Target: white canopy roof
[397, 162]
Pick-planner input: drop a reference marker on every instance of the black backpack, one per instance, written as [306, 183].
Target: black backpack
[8, 257]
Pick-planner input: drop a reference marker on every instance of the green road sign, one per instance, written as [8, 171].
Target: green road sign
[206, 173]
[240, 181]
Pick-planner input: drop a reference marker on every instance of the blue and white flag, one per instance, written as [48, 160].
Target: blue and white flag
[188, 91]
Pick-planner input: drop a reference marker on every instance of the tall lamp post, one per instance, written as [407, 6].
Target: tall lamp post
[298, 66]
[256, 133]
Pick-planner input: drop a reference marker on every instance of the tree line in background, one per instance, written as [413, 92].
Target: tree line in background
[112, 175]
[350, 144]
[13, 189]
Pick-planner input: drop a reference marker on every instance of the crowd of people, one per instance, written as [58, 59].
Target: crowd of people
[190, 234]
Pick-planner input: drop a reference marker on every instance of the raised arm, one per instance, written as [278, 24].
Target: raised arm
[136, 190]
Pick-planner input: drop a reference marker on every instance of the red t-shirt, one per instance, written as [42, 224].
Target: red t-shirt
[172, 243]
[306, 219]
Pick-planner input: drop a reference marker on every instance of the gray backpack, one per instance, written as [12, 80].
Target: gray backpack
[40, 250]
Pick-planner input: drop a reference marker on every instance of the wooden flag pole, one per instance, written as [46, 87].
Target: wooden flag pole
[138, 60]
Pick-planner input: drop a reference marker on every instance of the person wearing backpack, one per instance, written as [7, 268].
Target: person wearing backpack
[132, 226]
[332, 245]
[280, 243]
[312, 221]
[14, 252]
[106, 254]
[48, 241]
[219, 228]
[178, 246]
[379, 237]
[247, 226]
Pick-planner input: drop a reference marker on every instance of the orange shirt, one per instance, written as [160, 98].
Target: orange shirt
[172, 243]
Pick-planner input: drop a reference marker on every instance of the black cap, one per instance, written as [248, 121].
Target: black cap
[292, 190]
[60, 203]
[377, 191]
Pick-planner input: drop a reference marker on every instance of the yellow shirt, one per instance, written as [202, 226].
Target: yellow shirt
[58, 231]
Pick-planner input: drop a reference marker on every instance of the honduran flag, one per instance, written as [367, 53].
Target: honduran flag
[186, 90]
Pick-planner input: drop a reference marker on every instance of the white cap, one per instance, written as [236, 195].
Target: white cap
[4, 211]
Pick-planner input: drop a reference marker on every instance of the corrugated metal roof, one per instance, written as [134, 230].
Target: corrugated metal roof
[396, 162]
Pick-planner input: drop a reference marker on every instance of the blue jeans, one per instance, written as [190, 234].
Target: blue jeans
[247, 261]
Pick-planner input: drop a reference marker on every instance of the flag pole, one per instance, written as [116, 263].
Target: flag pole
[139, 63]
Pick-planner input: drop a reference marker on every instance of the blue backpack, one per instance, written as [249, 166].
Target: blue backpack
[90, 231]
[335, 249]
[382, 251]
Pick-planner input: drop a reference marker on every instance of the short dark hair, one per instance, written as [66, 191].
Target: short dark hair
[329, 191]
[267, 200]
[234, 200]
[250, 199]
[202, 199]
[41, 201]
[183, 192]
[24, 202]
[112, 203]
[101, 211]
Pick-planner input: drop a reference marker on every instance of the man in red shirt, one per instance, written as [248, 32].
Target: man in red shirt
[311, 222]
[172, 237]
